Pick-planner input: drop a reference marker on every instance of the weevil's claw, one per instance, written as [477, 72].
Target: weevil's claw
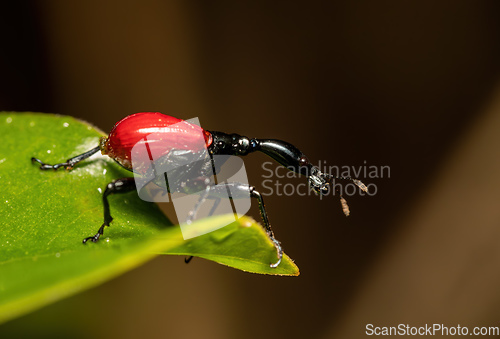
[279, 252]
[44, 166]
[95, 238]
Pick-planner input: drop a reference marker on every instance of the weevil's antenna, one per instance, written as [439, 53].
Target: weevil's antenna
[343, 202]
[345, 207]
[355, 181]
[322, 183]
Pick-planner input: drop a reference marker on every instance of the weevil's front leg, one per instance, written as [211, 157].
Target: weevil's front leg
[263, 213]
[70, 163]
[122, 185]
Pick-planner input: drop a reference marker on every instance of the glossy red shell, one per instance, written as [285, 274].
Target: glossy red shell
[158, 132]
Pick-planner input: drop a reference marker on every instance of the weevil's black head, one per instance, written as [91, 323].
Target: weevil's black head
[320, 182]
[323, 183]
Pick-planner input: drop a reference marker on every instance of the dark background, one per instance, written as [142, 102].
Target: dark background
[411, 85]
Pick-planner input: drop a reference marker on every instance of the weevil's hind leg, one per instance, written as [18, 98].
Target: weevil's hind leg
[192, 214]
[70, 163]
[123, 185]
[203, 197]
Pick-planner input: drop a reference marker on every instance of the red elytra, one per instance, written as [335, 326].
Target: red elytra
[158, 132]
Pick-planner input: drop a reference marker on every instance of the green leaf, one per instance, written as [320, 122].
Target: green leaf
[46, 214]
[242, 244]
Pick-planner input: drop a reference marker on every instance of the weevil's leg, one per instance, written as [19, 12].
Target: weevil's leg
[238, 191]
[214, 206]
[212, 210]
[192, 214]
[69, 163]
[263, 213]
[206, 170]
[123, 185]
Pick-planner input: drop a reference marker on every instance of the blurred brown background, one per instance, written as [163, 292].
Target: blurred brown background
[410, 85]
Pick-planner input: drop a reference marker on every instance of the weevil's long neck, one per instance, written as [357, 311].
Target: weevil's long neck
[283, 152]
[293, 159]
[287, 155]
